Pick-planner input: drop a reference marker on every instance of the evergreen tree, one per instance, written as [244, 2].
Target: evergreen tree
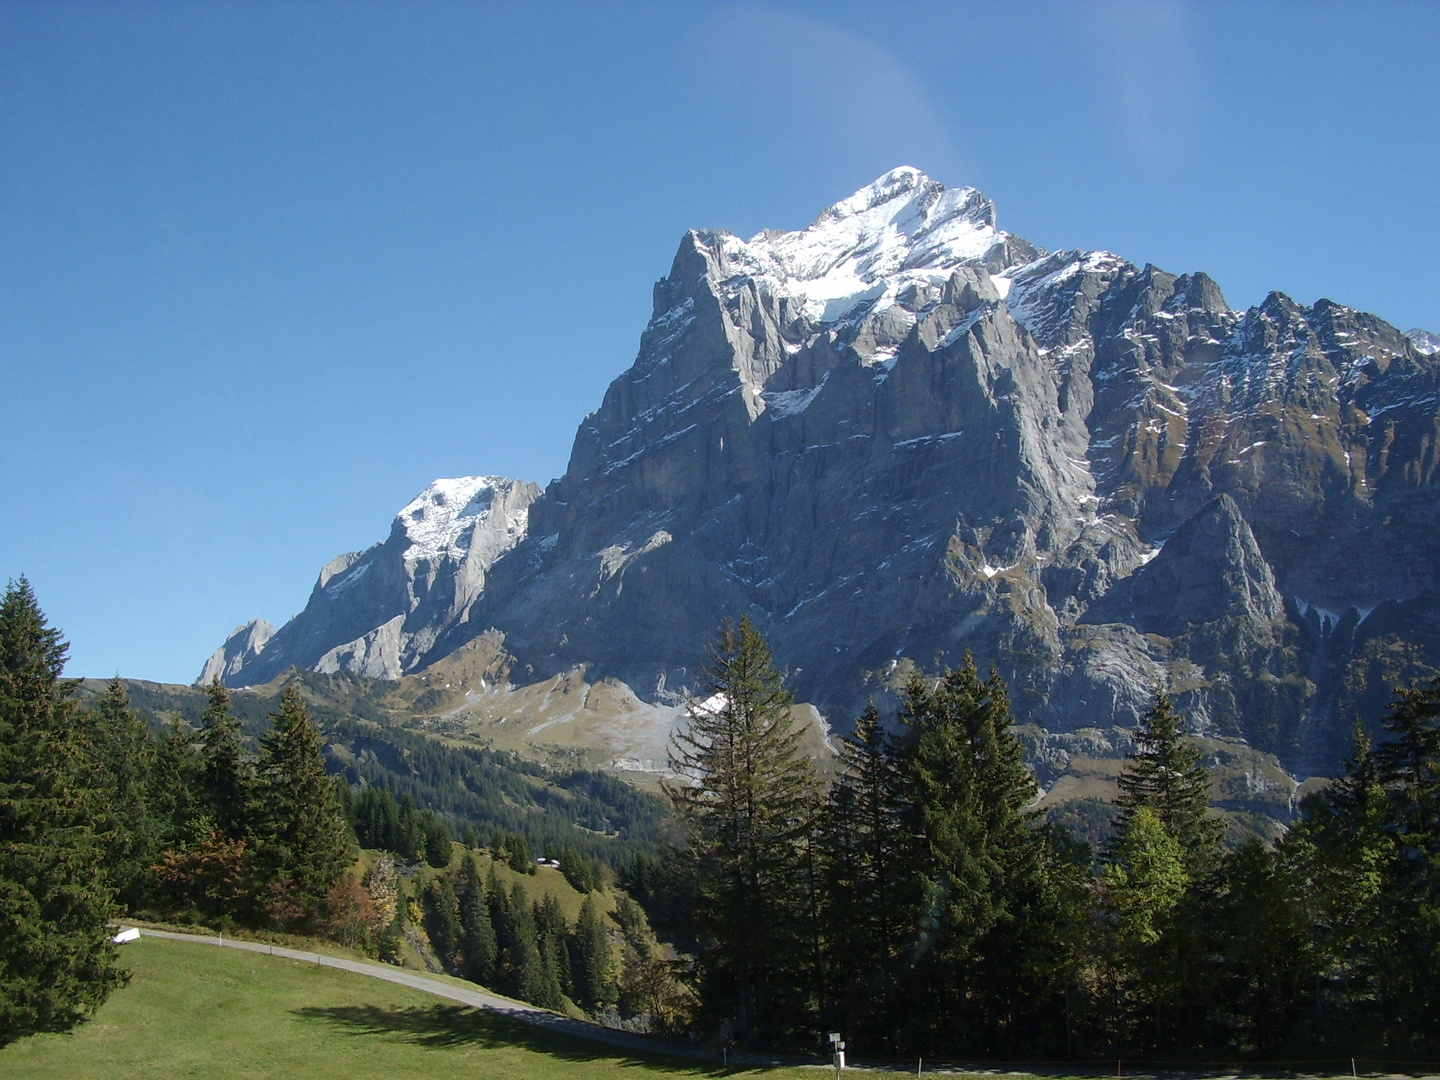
[173, 779]
[868, 884]
[409, 842]
[442, 922]
[592, 962]
[1337, 857]
[551, 932]
[1164, 774]
[57, 962]
[477, 935]
[1143, 883]
[982, 933]
[303, 846]
[438, 849]
[226, 777]
[748, 814]
[522, 972]
[1408, 767]
[123, 763]
[377, 818]
[1259, 922]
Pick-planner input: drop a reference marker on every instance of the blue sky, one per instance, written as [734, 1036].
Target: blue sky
[268, 269]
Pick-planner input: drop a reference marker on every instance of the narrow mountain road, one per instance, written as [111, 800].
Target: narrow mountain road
[481, 999]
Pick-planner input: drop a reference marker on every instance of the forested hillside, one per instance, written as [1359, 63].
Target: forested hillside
[588, 811]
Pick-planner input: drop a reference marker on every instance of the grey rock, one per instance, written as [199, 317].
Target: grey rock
[374, 612]
[241, 648]
[1210, 569]
[904, 433]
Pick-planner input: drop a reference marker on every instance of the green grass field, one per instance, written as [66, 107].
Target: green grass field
[194, 1010]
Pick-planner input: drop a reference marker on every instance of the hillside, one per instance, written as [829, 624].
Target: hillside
[466, 781]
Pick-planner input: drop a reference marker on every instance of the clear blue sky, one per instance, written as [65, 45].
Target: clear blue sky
[268, 269]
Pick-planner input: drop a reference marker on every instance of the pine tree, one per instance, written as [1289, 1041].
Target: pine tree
[748, 814]
[226, 777]
[1407, 765]
[867, 883]
[303, 846]
[1164, 774]
[477, 935]
[123, 760]
[982, 866]
[57, 962]
[592, 961]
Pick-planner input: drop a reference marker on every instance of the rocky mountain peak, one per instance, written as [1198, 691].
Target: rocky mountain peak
[1210, 569]
[376, 611]
[1425, 340]
[903, 433]
[241, 649]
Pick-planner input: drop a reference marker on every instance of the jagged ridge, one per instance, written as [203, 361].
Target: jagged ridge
[902, 434]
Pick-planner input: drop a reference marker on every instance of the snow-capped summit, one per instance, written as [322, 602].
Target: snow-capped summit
[441, 521]
[1426, 341]
[903, 228]
[901, 432]
[378, 611]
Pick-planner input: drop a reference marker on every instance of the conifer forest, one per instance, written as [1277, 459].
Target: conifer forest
[910, 897]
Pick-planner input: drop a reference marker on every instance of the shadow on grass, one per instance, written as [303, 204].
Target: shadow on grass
[457, 1025]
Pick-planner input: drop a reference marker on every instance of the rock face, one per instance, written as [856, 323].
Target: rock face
[902, 434]
[241, 648]
[377, 612]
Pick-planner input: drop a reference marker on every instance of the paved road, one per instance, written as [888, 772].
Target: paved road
[477, 998]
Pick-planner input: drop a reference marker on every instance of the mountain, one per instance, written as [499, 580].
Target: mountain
[1427, 342]
[903, 434]
[377, 612]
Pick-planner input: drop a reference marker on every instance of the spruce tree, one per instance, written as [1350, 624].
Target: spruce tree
[1143, 884]
[303, 846]
[57, 962]
[409, 837]
[592, 961]
[438, 849]
[1407, 765]
[477, 935]
[442, 922]
[1164, 774]
[123, 755]
[748, 812]
[868, 884]
[173, 782]
[522, 970]
[226, 777]
[981, 864]
[551, 932]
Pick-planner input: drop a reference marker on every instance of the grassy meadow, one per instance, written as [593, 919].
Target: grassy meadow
[194, 1010]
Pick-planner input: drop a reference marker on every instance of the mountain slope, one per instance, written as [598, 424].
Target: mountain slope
[903, 434]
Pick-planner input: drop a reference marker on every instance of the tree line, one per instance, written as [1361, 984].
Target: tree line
[613, 968]
[96, 817]
[923, 907]
[599, 815]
